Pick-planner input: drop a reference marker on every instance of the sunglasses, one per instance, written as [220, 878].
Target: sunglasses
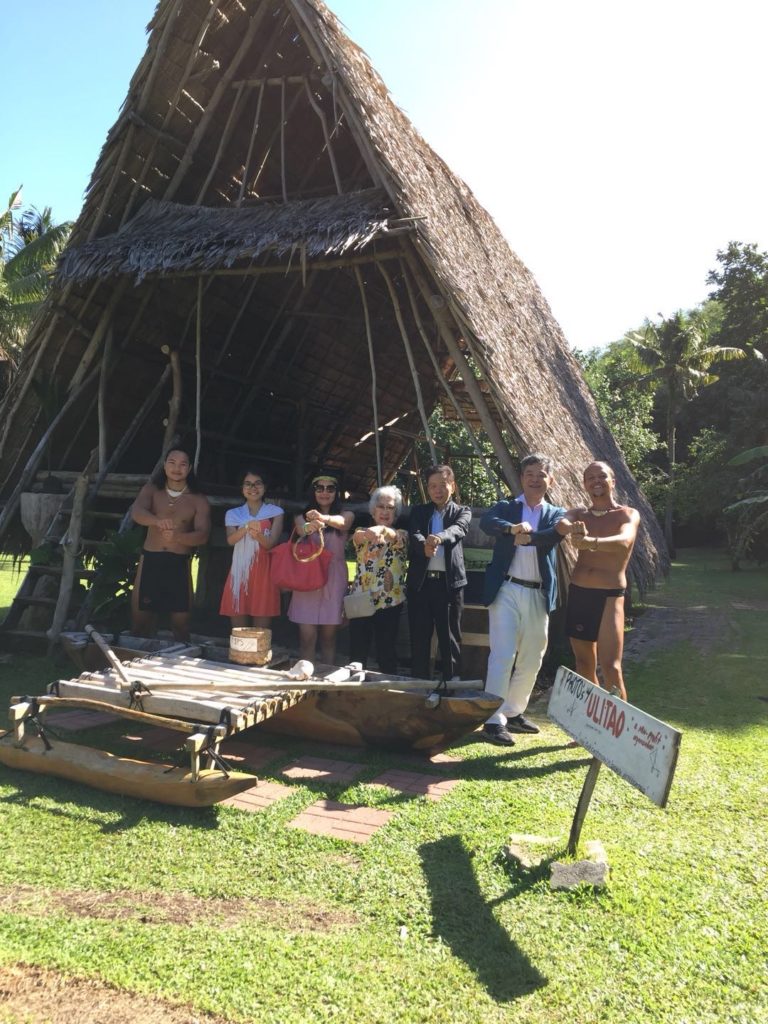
[325, 487]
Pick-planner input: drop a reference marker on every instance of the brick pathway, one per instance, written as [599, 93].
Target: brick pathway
[259, 797]
[415, 783]
[241, 754]
[342, 821]
[323, 769]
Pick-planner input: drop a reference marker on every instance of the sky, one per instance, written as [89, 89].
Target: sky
[618, 144]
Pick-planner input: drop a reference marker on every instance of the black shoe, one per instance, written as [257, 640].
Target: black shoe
[521, 724]
[497, 734]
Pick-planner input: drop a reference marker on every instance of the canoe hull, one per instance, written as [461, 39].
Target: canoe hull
[392, 719]
[122, 775]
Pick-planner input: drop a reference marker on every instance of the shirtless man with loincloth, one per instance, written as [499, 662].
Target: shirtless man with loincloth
[595, 614]
[178, 520]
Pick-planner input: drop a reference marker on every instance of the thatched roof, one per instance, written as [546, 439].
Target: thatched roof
[167, 237]
[252, 115]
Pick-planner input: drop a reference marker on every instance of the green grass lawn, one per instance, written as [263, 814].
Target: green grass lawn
[426, 922]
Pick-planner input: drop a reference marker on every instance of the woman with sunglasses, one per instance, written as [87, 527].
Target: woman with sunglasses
[381, 552]
[250, 597]
[318, 613]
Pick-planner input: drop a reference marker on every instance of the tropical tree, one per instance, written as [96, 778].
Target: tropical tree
[747, 518]
[678, 355]
[30, 243]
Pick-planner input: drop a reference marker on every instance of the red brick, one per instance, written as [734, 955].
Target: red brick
[344, 821]
[321, 768]
[259, 797]
[415, 783]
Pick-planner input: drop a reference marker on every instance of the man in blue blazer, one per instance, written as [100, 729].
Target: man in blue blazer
[520, 592]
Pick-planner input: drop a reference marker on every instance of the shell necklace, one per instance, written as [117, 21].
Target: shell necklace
[598, 513]
[174, 495]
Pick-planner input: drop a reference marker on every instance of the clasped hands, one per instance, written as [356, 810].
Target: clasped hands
[431, 544]
[166, 528]
[314, 521]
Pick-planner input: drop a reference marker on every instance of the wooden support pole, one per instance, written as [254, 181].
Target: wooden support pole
[201, 129]
[583, 805]
[440, 376]
[198, 368]
[374, 403]
[222, 143]
[329, 148]
[251, 143]
[71, 546]
[411, 363]
[174, 404]
[436, 303]
[282, 142]
[102, 399]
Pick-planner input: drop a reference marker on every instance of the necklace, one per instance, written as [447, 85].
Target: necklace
[600, 512]
[173, 495]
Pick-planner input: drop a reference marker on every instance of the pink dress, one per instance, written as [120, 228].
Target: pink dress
[323, 607]
[249, 589]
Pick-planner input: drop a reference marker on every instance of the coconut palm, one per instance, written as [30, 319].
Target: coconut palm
[747, 519]
[29, 247]
[679, 356]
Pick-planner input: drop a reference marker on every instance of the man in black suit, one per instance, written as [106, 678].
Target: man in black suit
[436, 574]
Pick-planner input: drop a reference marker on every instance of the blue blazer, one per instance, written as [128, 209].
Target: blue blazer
[508, 513]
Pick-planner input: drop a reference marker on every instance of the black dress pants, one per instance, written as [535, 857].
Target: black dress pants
[382, 628]
[436, 607]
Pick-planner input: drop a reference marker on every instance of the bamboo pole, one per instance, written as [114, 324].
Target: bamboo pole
[411, 363]
[251, 144]
[329, 148]
[473, 388]
[174, 405]
[102, 398]
[282, 142]
[71, 546]
[440, 376]
[220, 149]
[374, 401]
[223, 84]
[198, 369]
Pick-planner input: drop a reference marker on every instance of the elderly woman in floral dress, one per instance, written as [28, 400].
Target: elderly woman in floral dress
[380, 550]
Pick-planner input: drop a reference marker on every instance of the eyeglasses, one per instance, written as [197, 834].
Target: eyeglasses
[386, 508]
[250, 484]
[325, 487]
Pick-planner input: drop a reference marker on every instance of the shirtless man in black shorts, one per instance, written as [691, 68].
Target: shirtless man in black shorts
[595, 615]
[178, 520]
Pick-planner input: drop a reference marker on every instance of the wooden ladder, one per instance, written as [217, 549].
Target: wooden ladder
[79, 526]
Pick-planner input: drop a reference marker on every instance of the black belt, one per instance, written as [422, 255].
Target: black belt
[523, 583]
[435, 574]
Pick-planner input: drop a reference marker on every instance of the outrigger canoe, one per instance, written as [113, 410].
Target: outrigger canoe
[208, 701]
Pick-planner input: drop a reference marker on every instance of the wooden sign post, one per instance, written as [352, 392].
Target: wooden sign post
[635, 745]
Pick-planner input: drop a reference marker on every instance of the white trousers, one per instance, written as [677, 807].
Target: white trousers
[517, 622]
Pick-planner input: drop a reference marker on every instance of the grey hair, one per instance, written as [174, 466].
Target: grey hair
[387, 492]
[536, 458]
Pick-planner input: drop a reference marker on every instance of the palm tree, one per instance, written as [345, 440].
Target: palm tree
[29, 247]
[678, 355]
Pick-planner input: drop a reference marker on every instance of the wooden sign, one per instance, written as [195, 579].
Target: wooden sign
[635, 745]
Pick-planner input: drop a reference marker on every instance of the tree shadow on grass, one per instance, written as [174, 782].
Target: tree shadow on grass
[131, 810]
[464, 921]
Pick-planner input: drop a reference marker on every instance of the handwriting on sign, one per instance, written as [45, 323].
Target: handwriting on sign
[641, 749]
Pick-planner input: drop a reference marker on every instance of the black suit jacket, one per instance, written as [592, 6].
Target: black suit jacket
[456, 520]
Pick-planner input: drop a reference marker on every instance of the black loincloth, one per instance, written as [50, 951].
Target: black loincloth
[165, 583]
[585, 610]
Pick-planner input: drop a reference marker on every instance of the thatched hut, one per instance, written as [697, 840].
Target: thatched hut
[268, 241]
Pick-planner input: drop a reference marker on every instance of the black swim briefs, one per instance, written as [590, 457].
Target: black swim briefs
[585, 610]
[165, 582]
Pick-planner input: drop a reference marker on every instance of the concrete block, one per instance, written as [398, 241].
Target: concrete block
[580, 872]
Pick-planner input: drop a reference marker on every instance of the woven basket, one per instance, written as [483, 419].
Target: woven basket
[250, 645]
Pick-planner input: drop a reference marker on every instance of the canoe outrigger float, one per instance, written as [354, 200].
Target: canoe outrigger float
[208, 701]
